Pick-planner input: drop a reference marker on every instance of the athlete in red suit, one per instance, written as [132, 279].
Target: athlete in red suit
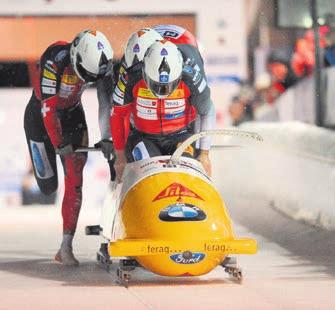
[54, 120]
[161, 121]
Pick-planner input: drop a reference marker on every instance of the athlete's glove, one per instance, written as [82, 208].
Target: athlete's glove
[203, 158]
[107, 148]
[64, 149]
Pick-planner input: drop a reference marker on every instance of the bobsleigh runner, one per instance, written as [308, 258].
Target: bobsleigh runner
[168, 217]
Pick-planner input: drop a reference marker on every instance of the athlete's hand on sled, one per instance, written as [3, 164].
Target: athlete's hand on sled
[120, 163]
[107, 148]
[203, 158]
[65, 149]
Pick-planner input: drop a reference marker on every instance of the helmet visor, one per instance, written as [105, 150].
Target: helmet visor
[88, 76]
[161, 90]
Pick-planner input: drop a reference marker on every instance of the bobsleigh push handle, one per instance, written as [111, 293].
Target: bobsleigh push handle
[225, 132]
[85, 149]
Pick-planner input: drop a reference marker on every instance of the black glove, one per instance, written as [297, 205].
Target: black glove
[107, 148]
[112, 169]
[64, 149]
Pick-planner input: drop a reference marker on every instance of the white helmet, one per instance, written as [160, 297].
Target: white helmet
[162, 68]
[90, 53]
[138, 43]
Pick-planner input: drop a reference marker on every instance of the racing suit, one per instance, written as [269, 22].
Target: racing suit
[54, 119]
[160, 125]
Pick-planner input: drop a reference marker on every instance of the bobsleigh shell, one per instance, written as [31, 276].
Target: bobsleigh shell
[176, 206]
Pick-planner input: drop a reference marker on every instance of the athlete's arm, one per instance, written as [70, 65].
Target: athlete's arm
[121, 107]
[200, 98]
[50, 79]
[120, 120]
[195, 78]
[104, 92]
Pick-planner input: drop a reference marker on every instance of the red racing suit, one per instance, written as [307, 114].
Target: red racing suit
[54, 117]
[162, 116]
[152, 115]
[60, 89]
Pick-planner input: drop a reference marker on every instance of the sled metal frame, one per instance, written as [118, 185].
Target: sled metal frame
[221, 132]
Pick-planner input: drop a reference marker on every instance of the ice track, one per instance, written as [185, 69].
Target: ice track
[294, 269]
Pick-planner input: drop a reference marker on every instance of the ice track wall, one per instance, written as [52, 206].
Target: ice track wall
[293, 170]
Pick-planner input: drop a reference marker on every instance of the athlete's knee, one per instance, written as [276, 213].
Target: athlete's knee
[140, 151]
[143, 150]
[48, 187]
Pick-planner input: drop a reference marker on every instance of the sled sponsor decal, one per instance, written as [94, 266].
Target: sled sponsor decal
[158, 249]
[174, 251]
[187, 258]
[182, 212]
[40, 160]
[176, 190]
[216, 247]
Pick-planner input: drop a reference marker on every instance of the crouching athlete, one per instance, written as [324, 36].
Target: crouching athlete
[161, 94]
[54, 121]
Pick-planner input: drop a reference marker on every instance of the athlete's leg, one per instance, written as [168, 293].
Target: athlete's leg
[140, 147]
[170, 143]
[41, 151]
[74, 132]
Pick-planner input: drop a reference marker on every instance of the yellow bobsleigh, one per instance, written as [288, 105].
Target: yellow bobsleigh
[168, 217]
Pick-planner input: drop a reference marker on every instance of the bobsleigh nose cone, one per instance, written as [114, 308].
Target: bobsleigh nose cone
[181, 209]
